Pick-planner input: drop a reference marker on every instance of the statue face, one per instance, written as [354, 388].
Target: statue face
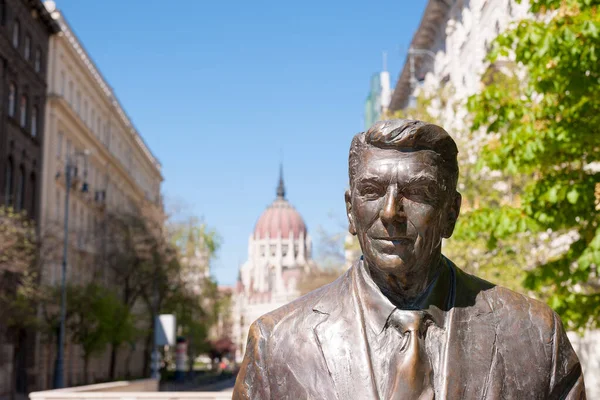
[399, 209]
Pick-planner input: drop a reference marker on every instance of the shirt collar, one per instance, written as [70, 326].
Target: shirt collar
[377, 308]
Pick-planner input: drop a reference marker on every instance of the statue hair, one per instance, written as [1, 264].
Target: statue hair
[407, 135]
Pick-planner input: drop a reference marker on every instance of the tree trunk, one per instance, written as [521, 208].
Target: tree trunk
[13, 385]
[148, 351]
[86, 369]
[128, 364]
[191, 358]
[19, 371]
[113, 361]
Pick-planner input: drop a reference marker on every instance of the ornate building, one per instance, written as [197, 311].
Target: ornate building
[279, 254]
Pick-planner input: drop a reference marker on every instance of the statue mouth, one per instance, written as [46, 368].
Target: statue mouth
[396, 240]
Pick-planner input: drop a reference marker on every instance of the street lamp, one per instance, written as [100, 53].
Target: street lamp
[413, 79]
[71, 171]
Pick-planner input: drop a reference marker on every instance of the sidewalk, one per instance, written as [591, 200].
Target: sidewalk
[204, 383]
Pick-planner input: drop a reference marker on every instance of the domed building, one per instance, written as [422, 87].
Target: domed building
[279, 254]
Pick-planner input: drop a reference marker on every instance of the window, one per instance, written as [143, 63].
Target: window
[8, 182]
[78, 102]
[98, 126]
[20, 190]
[15, 34]
[32, 196]
[12, 95]
[59, 142]
[68, 152]
[27, 50]
[92, 120]
[85, 112]
[62, 83]
[70, 99]
[38, 60]
[284, 249]
[23, 111]
[34, 121]
[2, 12]
[271, 278]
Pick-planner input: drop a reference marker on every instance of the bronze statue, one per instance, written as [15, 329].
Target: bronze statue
[404, 322]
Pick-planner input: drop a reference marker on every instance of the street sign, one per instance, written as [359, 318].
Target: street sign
[164, 334]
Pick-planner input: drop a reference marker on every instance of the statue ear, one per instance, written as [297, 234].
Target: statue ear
[348, 199]
[452, 216]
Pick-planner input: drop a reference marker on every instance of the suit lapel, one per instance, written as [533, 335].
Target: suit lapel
[341, 337]
[471, 351]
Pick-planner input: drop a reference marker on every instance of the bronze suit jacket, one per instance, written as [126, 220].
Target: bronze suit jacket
[501, 345]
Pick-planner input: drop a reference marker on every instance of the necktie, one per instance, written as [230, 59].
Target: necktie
[411, 373]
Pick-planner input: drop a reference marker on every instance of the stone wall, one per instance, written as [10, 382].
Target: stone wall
[129, 364]
[587, 348]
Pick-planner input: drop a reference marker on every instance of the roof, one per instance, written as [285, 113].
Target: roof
[280, 218]
[72, 38]
[44, 15]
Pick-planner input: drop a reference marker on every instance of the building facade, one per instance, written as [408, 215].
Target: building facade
[279, 254]
[452, 42]
[25, 29]
[86, 124]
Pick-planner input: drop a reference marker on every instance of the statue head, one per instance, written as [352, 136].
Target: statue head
[402, 199]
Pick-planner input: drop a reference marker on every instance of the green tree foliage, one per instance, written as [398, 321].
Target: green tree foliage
[471, 247]
[195, 301]
[544, 132]
[97, 318]
[17, 241]
[18, 275]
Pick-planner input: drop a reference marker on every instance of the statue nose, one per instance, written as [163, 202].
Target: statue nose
[393, 207]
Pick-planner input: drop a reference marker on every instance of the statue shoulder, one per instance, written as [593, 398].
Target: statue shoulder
[505, 303]
[511, 304]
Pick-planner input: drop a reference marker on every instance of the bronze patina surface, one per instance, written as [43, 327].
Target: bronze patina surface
[404, 322]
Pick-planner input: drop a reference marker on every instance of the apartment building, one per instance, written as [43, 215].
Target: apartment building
[113, 169]
[25, 28]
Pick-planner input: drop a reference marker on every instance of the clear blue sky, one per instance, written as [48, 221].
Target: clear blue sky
[220, 89]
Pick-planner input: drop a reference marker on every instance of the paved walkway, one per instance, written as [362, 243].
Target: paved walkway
[191, 386]
[223, 386]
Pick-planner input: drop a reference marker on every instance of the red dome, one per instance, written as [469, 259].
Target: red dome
[278, 220]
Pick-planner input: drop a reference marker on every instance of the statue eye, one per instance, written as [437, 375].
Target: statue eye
[421, 194]
[371, 191]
